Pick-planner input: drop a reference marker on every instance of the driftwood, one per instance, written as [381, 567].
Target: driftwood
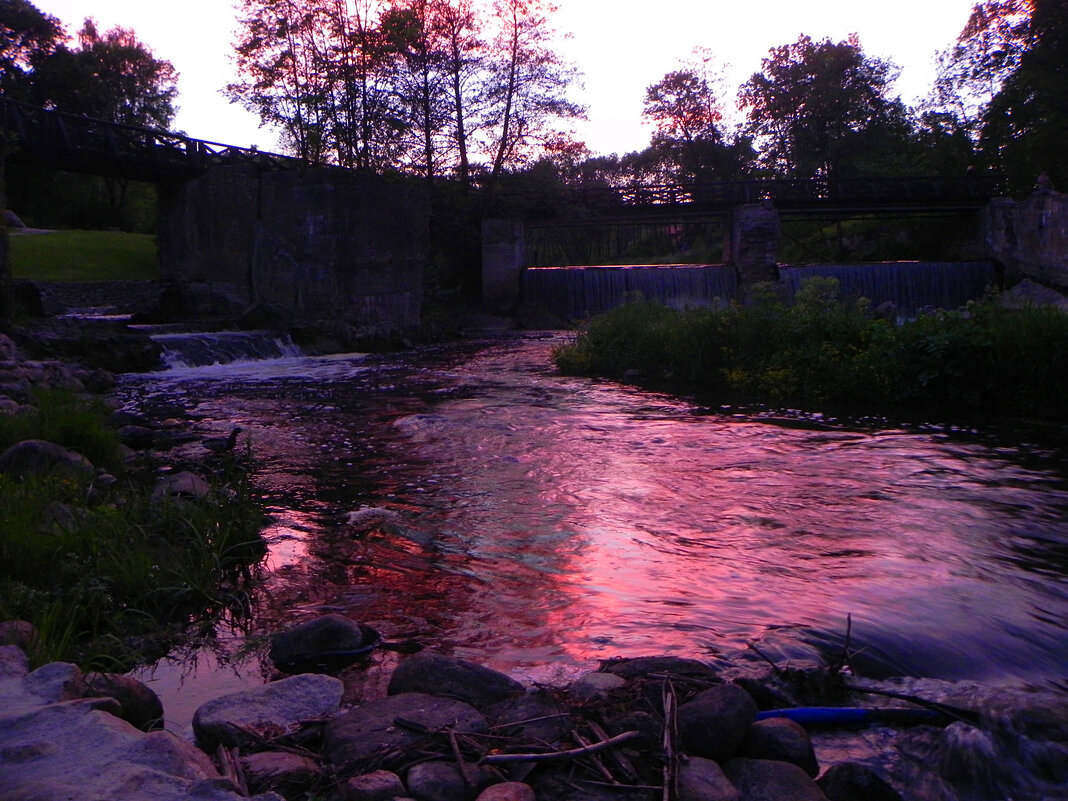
[546, 756]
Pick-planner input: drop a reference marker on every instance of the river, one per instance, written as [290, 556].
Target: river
[470, 497]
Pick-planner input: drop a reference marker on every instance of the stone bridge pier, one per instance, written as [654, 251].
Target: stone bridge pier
[333, 251]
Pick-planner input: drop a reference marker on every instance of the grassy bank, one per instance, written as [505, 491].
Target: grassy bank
[823, 351]
[108, 575]
[83, 256]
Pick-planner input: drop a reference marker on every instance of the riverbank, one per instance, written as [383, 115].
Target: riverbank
[447, 729]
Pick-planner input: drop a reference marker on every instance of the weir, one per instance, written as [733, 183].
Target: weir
[576, 293]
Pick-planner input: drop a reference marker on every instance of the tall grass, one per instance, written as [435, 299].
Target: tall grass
[821, 350]
[111, 576]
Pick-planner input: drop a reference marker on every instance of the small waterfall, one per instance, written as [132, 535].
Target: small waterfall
[223, 347]
[910, 286]
[578, 292]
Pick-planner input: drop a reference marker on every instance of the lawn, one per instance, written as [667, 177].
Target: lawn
[83, 256]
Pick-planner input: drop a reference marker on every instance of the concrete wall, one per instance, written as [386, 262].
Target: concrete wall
[503, 259]
[322, 248]
[1030, 237]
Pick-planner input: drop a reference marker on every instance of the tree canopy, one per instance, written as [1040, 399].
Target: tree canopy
[107, 75]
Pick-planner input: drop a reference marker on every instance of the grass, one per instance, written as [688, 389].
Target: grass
[109, 576]
[83, 256]
[821, 352]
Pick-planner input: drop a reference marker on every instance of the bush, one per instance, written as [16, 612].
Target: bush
[822, 350]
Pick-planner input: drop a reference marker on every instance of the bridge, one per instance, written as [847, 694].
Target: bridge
[53, 139]
[243, 232]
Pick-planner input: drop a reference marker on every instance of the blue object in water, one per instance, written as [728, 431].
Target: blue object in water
[815, 716]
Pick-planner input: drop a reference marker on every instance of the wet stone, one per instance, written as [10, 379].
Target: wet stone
[768, 780]
[381, 785]
[714, 723]
[322, 643]
[781, 739]
[851, 781]
[449, 677]
[141, 706]
[372, 727]
[704, 780]
[280, 770]
[443, 781]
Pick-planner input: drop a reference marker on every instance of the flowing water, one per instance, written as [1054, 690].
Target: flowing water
[472, 498]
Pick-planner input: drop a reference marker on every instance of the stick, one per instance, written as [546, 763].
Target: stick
[669, 701]
[495, 759]
[620, 759]
[460, 759]
[604, 771]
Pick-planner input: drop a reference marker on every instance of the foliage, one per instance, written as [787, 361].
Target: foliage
[423, 85]
[69, 420]
[1023, 126]
[109, 576]
[27, 35]
[820, 350]
[822, 108]
[84, 256]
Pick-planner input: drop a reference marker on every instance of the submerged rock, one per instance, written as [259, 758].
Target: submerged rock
[324, 644]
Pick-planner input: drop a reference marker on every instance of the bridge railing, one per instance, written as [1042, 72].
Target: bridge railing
[70, 141]
[787, 192]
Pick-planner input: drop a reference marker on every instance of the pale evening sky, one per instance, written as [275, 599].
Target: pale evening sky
[621, 47]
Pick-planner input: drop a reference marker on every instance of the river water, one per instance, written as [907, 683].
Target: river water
[472, 498]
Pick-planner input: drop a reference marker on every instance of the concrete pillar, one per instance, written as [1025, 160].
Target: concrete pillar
[752, 242]
[503, 260]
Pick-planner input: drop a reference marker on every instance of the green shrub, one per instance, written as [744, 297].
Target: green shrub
[822, 350]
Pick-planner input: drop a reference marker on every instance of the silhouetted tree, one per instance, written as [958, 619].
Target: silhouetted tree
[1024, 126]
[27, 36]
[822, 109]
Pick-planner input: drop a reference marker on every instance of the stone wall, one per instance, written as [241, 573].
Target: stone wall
[319, 248]
[1030, 237]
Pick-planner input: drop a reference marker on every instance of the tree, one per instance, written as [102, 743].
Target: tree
[822, 109]
[1024, 126]
[973, 70]
[27, 35]
[526, 84]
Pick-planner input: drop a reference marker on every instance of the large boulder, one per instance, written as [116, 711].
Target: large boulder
[34, 457]
[372, 728]
[141, 706]
[322, 644]
[714, 722]
[450, 677]
[55, 746]
[251, 716]
[704, 780]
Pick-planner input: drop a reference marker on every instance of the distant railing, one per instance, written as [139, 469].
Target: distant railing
[52, 138]
[785, 193]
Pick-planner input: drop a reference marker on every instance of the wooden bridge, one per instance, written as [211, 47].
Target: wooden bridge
[54, 139]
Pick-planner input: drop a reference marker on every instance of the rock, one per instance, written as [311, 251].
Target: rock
[768, 780]
[22, 690]
[381, 785]
[647, 725]
[535, 716]
[71, 750]
[508, 791]
[370, 728]
[449, 677]
[443, 781]
[37, 457]
[137, 437]
[17, 632]
[1030, 294]
[851, 781]
[280, 770]
[61, 518]
[181, 485]
[642, 666]
[704, 780]
[245, 718]
[326, 641]
[781, 739]
[595, 686]
[715, 722]
[141, 707]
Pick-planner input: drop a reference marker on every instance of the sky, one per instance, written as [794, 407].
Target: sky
[620, 47]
